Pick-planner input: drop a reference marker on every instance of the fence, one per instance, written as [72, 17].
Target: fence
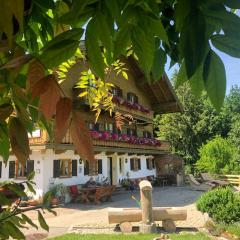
[233, 179]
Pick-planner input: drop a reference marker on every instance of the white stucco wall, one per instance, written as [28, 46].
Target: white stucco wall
[43, 166]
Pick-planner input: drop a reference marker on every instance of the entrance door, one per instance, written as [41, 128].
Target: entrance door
[110, 170]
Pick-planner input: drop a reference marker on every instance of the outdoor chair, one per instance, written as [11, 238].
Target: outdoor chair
[74, 193]
[207, 177]
[195, 185]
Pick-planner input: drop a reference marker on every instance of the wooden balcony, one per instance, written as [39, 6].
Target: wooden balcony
[103, 145]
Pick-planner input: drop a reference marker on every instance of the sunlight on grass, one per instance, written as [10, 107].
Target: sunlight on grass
[198, 236]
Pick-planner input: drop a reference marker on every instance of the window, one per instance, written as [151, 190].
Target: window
[19, 170]
[131, 132]
[93, 126]
[150, 162]
[35, 134]
[131, 97]
[147, 134]
[109, 127]
[99, 166]
[116, 91]
[168, 168]
[64, 168]
[135, 164]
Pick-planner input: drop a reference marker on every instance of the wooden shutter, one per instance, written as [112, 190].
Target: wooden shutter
[139, 163]
[30, 166]
[120, 93]
[100, 166]
[120, 165]
[136, 99]
[56, 168]
[96, 127]
[153, 163]
[0, 169]
[129, 96]
[11, 169]
[147, 161]
[86, 168]
[132, 164]
[74, 167]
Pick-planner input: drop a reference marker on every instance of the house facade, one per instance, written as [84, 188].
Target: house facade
[130, 153]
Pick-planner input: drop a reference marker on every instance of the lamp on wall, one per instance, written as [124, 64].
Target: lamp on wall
[80, 161]
[126, 160]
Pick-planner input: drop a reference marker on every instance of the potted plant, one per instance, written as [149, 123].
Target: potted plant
[57, 193]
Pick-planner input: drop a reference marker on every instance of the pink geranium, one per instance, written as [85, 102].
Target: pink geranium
[115, 136]
[105, 135]
[95, 134]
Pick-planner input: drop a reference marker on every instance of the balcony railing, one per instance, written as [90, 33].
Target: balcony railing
[107, 139]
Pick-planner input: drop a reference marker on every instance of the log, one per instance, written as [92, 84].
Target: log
[146, 201]
[119, 215]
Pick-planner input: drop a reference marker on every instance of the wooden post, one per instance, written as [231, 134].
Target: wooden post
[148, 225]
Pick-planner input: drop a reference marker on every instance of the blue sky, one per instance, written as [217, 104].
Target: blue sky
[232, 67]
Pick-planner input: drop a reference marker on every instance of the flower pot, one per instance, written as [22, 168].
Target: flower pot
[54, 201]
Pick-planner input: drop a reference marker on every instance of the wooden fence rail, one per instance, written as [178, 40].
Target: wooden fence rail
[233, 179]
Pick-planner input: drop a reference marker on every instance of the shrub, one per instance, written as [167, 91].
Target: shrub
[222, 204]
[218, 156]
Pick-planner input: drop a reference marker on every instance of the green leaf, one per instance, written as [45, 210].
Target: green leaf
[13, 231]
[29, 221]
[17, 189]
[159, 61]
[122, 41]
[144, 49]
[215, 79]
[30, 188]
[31, 175]
[234, 4]
[45, 4]
[193, 42]
[182, 76]
[4, 200]
[4, 143]
[104, 32]
[113, 8]
[157, 29]
[42, 221]
[61, 48]
[227, 44]
[93, 50]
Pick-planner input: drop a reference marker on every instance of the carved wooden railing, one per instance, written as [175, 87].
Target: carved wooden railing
[233, 179]
[99, 142]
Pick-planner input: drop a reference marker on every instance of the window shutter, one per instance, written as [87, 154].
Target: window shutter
[153, 163]
[86, 168]
[136, 99]
[74, 167]
[147, 161]
[139, 163]
[56, 168]
[132, 164]
[128, 131]
[120, 93]
[100, 166]
[96, 127]
[120, 165]
[30, 166]
[129, 96]
[12, 169]
[0, 169]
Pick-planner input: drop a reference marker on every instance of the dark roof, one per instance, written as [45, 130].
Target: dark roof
[161, 93]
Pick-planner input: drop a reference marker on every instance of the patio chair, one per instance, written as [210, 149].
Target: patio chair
[207, 177]
[195, 185]
[74, 193]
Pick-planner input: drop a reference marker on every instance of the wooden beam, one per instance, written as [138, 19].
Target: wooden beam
[110, 153]
[118, 215]
[59, 151]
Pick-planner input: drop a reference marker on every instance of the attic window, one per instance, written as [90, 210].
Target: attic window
[131, 97]
[116, 91]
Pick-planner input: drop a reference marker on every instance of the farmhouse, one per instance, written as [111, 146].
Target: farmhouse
[131, 153]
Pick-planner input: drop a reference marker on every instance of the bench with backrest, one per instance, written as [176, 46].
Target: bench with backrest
[103, 192]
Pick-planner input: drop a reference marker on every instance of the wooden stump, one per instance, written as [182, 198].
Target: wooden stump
[126, 227]
[169, 225]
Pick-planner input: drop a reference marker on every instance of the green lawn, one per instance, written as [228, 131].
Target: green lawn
[198, 236]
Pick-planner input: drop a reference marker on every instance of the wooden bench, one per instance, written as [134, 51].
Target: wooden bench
[104, 191]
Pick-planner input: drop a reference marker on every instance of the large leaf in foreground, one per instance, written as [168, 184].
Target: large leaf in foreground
[82, 140]
[63, 111]
[42, 221]
[19, 139]
[215, 79]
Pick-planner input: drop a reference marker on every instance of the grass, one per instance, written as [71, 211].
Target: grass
[233, 229]
[197, 236]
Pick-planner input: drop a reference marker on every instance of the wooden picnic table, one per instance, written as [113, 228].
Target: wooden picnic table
[96, 193]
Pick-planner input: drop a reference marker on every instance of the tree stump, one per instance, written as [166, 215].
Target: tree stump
[126, 227]
[169, 225]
